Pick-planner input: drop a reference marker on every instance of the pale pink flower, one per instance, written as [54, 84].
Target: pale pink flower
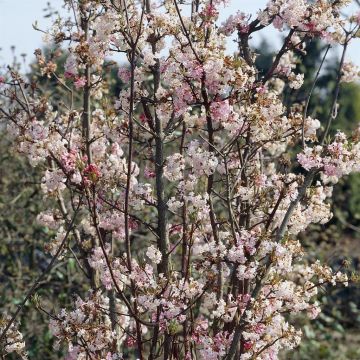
[80, 82]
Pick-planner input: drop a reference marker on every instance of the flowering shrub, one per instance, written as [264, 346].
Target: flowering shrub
[177, 199]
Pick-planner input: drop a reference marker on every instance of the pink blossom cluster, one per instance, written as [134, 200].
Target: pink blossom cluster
[335, 160]
[13, 341]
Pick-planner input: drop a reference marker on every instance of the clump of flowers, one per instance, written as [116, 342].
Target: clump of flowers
[13, 342]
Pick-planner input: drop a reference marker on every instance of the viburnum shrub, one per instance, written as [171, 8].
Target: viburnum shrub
[181, 198]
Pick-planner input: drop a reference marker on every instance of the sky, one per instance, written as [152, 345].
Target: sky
[17, 17]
